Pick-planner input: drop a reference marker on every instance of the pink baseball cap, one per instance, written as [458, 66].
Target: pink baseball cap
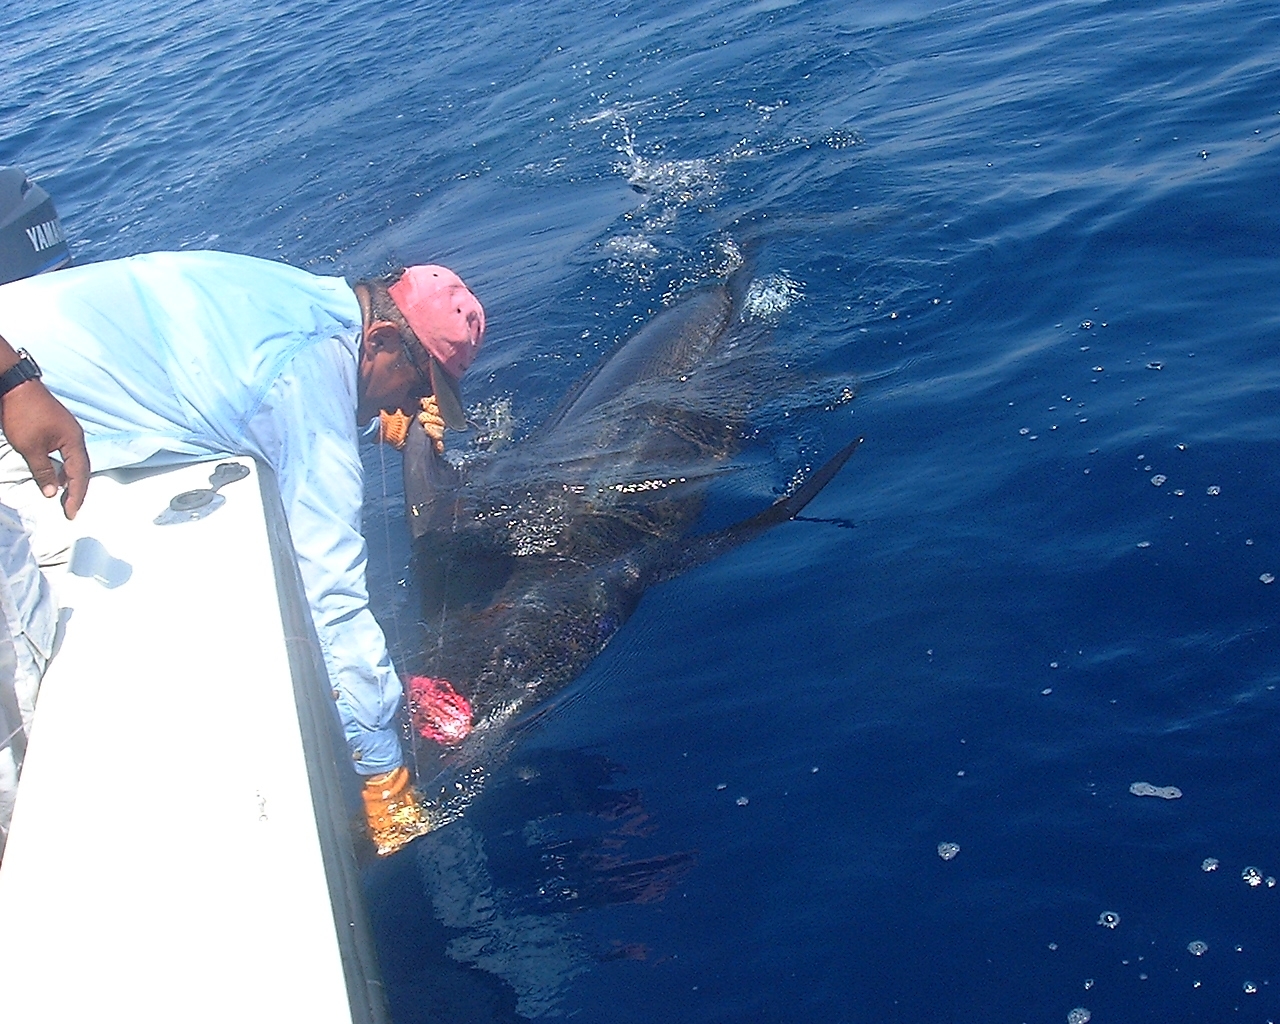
[449, 321]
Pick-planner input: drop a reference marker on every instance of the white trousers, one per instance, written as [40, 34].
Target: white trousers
[28, 624]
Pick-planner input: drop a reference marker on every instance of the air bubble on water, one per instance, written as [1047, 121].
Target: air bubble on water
[1086, 325]
[1213, 490]
[1158, 480]
[948, 851]
[1097, 369]
[1251, 877]
[1109, 919]
[1088, 984]
[1271, 881]
[1053, 664]
[631, 251]
[840, 138]
[1210, 864]
[1249, 987]
[1197, 948]
[1024, 431]
[1163, 792]
[1079, 1016]
[1179, 492]
[742, 801]
[1053, 946]
[1266, 577]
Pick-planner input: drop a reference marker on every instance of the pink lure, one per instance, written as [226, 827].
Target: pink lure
[437, 710]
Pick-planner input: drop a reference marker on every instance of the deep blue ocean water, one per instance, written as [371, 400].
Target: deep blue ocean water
[1038, 242]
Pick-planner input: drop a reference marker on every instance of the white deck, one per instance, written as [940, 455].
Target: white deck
[166, 860]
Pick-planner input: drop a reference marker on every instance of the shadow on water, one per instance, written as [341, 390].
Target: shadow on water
[486, 919]
[423, 984]
[575, 834]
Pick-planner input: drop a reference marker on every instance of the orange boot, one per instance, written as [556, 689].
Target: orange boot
[392, 810]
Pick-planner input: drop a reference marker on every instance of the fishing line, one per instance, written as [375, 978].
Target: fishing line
[394, 602]
[431, 666]
[386, 537]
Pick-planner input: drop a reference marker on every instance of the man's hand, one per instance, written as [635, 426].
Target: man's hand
[432, 422]
[36, 423]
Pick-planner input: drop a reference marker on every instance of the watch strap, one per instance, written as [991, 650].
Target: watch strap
[23, 370]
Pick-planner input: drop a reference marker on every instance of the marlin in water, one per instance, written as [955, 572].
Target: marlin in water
[532, 558]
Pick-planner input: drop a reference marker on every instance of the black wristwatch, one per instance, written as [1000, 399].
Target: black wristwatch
[23, 370]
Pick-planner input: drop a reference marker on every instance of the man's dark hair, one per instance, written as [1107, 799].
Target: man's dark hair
[381, 304]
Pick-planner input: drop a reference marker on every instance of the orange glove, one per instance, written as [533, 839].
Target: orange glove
[392, 810]
[394, 428]
[432, 422]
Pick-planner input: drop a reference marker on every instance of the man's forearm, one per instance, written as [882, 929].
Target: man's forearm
[35, 423]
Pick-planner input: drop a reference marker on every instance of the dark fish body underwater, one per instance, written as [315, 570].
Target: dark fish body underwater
[531, 558]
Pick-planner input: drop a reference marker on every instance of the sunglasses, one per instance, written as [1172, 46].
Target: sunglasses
[423, 378]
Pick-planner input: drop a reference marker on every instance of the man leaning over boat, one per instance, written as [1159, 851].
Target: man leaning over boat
[169, 357]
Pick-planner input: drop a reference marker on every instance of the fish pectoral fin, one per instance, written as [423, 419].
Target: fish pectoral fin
[670, 561]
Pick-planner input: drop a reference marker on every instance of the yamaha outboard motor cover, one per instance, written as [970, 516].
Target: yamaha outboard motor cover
[31, 239]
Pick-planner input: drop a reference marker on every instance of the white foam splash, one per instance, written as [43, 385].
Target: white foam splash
[495, 423]
[767, 298]
[673, 181]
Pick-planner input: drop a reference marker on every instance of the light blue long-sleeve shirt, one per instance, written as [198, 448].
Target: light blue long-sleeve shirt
[172, 356]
